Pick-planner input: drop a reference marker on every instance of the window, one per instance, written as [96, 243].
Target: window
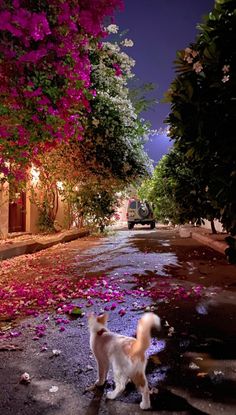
[132, 205]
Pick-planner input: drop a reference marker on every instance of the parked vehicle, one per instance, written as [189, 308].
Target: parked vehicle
[139, 212]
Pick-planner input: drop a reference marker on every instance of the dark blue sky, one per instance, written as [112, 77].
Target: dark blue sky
[159, 28]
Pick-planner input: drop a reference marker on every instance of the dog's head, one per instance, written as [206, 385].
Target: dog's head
[96, 323]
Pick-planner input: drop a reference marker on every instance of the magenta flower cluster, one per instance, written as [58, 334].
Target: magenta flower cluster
[45, 69]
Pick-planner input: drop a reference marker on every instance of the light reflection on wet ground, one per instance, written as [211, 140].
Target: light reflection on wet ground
[123, 256]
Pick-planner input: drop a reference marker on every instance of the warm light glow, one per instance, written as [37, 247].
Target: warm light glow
[60, 185]
[34, 175]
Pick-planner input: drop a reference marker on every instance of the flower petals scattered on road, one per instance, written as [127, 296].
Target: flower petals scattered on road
[32, 284]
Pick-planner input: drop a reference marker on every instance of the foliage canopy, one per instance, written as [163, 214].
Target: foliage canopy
[203, 108]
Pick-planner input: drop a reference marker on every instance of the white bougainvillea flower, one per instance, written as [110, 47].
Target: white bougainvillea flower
[128, 43]
[112, 28]
[197, 67]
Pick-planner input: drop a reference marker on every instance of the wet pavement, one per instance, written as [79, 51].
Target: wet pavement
[192, 361]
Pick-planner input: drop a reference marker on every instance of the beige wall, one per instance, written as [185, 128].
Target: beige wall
[60, 217]
[218, 226]
[31, 212]
[4, 210]
[31, 215]
[122, 210]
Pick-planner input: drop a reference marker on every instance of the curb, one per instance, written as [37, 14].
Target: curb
[218, 246]
[30, 247]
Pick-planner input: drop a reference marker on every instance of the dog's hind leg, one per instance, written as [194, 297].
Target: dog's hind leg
[120, 382]
[141, 383]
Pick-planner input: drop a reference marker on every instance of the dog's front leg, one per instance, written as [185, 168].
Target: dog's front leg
[102, 367]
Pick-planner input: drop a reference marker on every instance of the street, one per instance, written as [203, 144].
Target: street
[192, 361]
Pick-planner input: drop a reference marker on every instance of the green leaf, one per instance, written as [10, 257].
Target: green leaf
[76, 311]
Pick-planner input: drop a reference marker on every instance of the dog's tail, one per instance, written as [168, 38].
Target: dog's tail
[143, 340]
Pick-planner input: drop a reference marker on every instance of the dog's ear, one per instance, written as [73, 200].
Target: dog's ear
[102, 319]
[90, 315]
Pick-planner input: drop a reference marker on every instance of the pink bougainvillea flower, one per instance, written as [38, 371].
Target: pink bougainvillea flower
[62, 328]
[55, 42]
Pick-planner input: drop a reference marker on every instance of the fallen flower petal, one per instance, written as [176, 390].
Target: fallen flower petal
[122, 312]
[62, 328]
[53, 389]
[56, 352]
[25, 378]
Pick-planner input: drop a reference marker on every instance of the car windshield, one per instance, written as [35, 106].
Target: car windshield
[132, 205]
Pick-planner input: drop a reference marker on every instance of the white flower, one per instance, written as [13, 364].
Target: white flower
[111, 46]
[112, 28]
[225, 78]
[188, 51]
[128, 43]
[189, 55]
[226, 68]
[197, 67]
[194, 53]
[189, 59]
[53, 389]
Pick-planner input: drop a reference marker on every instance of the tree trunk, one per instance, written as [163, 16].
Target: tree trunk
[213, 229]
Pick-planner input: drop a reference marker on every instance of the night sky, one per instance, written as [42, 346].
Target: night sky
[159, 28]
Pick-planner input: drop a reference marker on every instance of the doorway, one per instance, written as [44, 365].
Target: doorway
[17, 214]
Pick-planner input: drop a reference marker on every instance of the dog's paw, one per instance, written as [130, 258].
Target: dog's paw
[110, 395]
[145, 405]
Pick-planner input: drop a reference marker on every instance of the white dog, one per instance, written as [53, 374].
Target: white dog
[125, 354]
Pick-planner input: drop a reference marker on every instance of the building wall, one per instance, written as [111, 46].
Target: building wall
[218, 226]
[4, 210]
[32, 215]
[122, 210]
[61, 217]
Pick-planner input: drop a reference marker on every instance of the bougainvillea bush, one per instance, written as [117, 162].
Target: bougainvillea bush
[111, 154]
[45, 74]
[115, 133]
